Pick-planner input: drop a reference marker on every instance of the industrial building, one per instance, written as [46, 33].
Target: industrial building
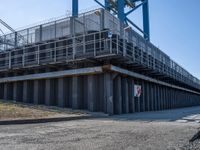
[94, 61]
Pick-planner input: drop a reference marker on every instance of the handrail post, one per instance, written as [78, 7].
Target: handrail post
[55, 54]
[74, 47]
[117, 44]
[110, 45]
[124, 47]
[9, 60]
[23, 57]
[38, 55]
[84, 44]
[94, 46]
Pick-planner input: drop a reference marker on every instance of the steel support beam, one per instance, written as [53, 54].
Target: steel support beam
[75, 8]
[107, 5]
[146, 28]
[120, 6]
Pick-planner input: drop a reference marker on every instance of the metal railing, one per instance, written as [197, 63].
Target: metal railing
[67, 26]
[95, 45]
[72, 39]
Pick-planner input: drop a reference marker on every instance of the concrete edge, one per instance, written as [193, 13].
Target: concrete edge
[44, 120]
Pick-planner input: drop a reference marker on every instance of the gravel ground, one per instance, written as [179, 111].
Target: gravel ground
[166, 130]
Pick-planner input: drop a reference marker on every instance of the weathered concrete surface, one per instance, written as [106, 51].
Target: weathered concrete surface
[141, 131]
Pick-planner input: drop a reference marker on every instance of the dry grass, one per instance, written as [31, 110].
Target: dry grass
[16, 111]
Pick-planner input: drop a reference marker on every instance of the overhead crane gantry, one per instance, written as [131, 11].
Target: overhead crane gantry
[118, 7]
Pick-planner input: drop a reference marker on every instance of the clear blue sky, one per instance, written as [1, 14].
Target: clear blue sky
[175, 24]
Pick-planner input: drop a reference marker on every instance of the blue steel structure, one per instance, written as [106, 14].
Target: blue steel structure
[118, 8]
[74, 8]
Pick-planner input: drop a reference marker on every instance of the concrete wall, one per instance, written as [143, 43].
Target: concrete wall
[111, 93]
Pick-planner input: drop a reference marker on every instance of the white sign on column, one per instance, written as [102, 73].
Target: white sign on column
[137, 90]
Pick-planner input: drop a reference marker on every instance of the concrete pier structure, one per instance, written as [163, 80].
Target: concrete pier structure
[90, 62]
[108, 89]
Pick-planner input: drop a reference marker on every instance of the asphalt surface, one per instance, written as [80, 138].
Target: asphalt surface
[166, 130]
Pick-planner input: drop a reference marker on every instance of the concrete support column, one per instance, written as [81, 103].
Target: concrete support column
[159, 97]
[49, 92]
[36, 92]
[25, 92]
[91, 93]
[174, 98]
[15, 91]
[155, 97]
[5, 91]
[143, 97]
[62, 92]
[131, 97]
[125, 107]
[168, 98]
[108, 94]
[101, 93]
[76, 93]
[137, 101]
[148, 96]
[1, 90]
[151, 95]
[171, 97]
[118, 95]
[164, 97]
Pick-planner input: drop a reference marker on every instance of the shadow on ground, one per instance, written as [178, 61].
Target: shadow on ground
[190, 114]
